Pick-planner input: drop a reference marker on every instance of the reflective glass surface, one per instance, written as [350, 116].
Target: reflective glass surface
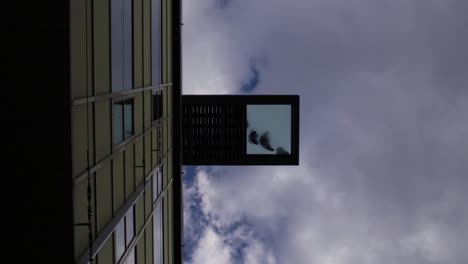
[117, 121]
[269, 129]
[117, 13]
[131, 257]
[121, 45]
[156, 41]
[128, 118]
[130, 225]
[157, 235]
[119, 239]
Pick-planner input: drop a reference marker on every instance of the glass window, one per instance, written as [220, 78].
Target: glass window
[157, 105]
[130, 225]
[128, 118]
[156, 41]
[121, 45]
[155, 186]
[117, 123]
[160, 182]
[131, 257]
[124, 233]
[119, 234]
[122, 121]
[127, 45]
[267, 135]
[158, 235]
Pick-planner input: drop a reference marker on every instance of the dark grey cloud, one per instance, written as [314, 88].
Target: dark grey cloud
[253, 80]
[222, 4]
[384, 126]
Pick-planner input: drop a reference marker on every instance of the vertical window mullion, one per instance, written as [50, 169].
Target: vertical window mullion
[123, 120]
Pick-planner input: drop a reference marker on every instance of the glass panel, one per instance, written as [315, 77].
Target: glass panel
[156, 41]
[131, 257]
[117, 47]
[267, 135]
[155, 186]
[117, 122]
[128, 118]
[127, 45]
[157, 105]
[119, 239]
[160, 183]
[130, 225]
[157, 235]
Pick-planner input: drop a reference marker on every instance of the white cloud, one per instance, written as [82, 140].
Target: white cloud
[257, 254]
[211, 250]
[428, 242]
[226, 235]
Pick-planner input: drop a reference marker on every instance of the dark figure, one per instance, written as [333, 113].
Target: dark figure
[265, 141]
[281, 151]
[253, 137]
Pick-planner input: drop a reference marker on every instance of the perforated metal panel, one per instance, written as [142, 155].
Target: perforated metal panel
[213, 132]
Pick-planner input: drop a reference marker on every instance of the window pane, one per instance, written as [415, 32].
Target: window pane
[157, 105]
[117, 122]
[131, 257]
[155, 186]
[157, 235]
[128, 118]
[117, 47]
[267, 135]
[130, 225]
[127, 45]
[156, 41]
[119, 239]
[160, 181]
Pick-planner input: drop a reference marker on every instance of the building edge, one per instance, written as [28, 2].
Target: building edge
[177, 111]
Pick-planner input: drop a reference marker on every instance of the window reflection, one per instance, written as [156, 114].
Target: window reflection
[128, 118]
[124, 234]
[157, 184]
[131, 257]
[117, 123]
[269, 129]
[156, 41]
[158, 235]
[119, 239]
[121, 45]
[122, 120]
[157, 105]
[130, 225]
[160, 180]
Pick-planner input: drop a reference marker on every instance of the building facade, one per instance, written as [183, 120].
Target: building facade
[98, 162]
[122, 114]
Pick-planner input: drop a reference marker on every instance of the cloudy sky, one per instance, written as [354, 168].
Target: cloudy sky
[383, 174]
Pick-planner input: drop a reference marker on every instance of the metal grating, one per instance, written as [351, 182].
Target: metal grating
[213, 132]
